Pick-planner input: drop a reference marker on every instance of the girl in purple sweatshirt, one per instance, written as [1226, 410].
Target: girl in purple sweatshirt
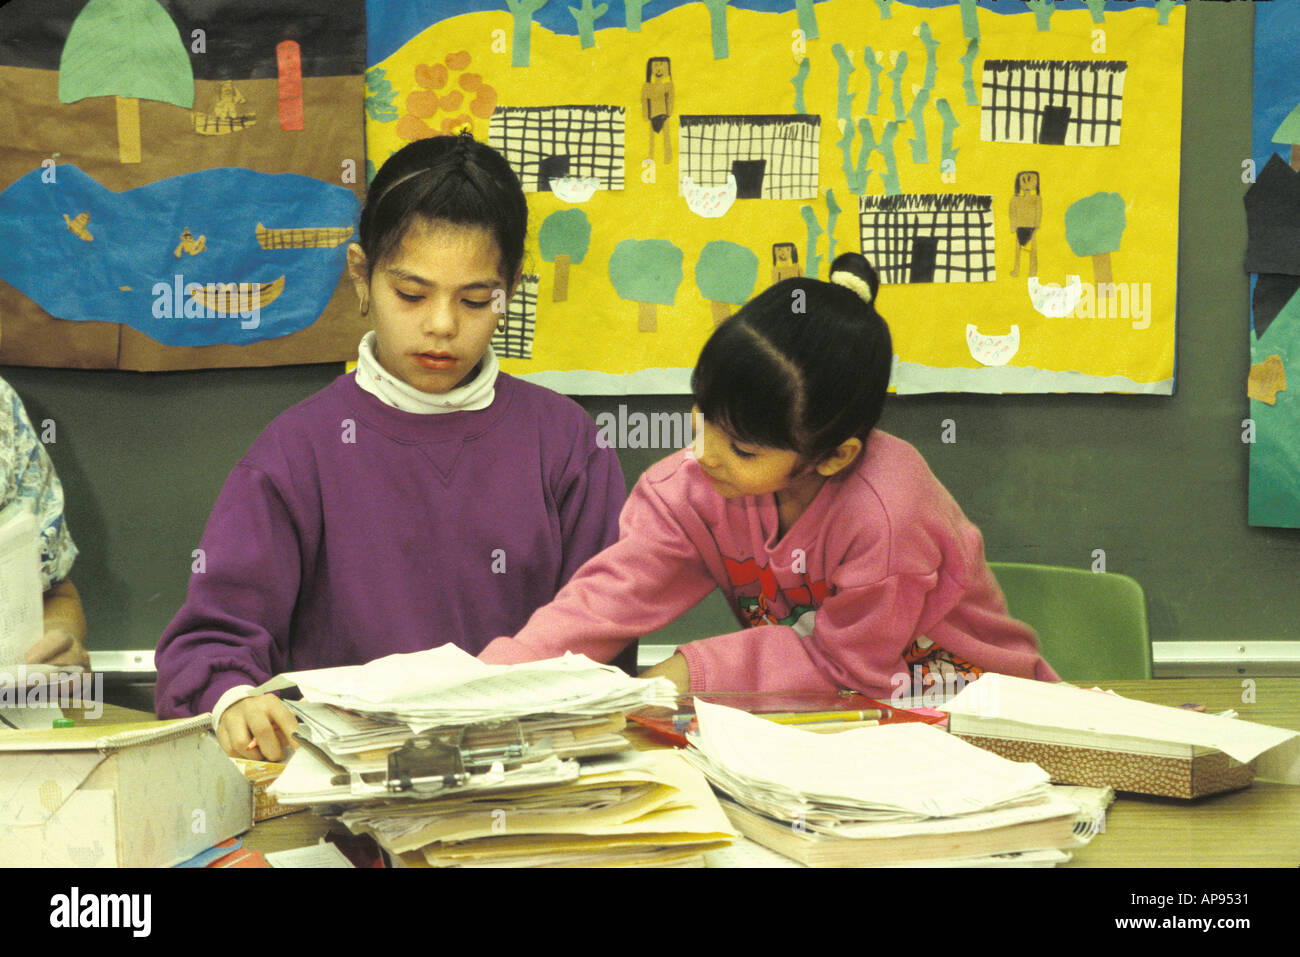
[428, 498]
[847, 562]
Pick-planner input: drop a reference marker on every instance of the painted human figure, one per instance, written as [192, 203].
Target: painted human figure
[657, 102]
[1026, 217]
[785, 262]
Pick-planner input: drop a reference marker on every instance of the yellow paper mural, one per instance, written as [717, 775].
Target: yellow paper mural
[1011, 170]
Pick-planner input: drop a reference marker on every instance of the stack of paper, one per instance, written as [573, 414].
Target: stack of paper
[447, 761]
[895, 793]
[447, 686]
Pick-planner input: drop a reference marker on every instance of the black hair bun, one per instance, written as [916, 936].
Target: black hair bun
[855, 273]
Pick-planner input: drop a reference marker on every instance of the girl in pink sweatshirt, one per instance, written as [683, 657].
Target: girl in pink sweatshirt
[847, 562]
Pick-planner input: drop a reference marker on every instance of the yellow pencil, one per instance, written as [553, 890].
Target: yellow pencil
[872, 714]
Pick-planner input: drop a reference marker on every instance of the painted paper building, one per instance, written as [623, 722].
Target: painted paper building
[772, 157]
[546, 142]
[938, 237]
[1060, 102]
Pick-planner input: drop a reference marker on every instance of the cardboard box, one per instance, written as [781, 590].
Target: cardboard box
[1186, 772]
[150, 794]
[261, 775]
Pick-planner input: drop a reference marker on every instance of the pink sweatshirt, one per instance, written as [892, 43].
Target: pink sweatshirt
[882, 555]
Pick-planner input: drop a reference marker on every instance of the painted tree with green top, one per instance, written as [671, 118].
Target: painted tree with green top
[1093, 227]
[1098, 10]
[648, 272]
[725, 274]
[1163, 9]
[129, 50]
[1288, 134]
[563, 239]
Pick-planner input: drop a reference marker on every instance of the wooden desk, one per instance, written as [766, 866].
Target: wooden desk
[1257, 827]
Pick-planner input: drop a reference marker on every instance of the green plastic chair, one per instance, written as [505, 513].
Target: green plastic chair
[1092, 625]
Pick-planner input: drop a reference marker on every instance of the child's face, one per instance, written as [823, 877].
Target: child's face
[435, 303]
[736, 469]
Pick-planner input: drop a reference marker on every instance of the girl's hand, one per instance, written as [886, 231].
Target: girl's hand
[258, 728]
[59, 646]
[675, 669]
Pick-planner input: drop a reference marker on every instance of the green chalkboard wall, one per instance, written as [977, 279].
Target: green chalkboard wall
[1158, 484]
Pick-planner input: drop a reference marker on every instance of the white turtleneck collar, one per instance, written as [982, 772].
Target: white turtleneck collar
[390, 390]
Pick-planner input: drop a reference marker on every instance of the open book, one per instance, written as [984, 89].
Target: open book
[21, 612]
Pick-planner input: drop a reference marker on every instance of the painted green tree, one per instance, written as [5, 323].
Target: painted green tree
[379, 96]
[718, 25]
[632, 14]
[587, 15]
[1288, 134]
[1098, 10]
[798, 80]
[1042, 10]
[522, 43]
[1093, 227]
[129, 50]
[563, 239]
[648, 272]
[725, 274]
[807, 18]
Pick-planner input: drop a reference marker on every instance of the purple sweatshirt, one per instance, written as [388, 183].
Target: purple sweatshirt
[353, 530]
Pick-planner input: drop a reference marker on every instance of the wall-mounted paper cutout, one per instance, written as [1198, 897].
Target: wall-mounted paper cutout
[135, 248]
[725, 274]
[574, 189]
[228, 114]
[78, 226]
[772, 157]
[1272, 293]
[1026, 210]
[1288, 134]
[992, 350]
[936, 237]
[1273, 219]
[131, 50]
[657, 102]
[318, 237]
[1094, 226]
[542, 142]
[522, 11]
[718, 26]
[1061, 102]
[1053, 301]
[288, 58]
[1266, 380]
[586, 17]
[709, 201]
[785, 261]
[797, 81]
[515, 340]
[563, 239]
[646, 271]
[439, 105]
[189, 244]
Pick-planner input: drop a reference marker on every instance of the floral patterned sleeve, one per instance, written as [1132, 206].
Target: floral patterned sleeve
[27, 474]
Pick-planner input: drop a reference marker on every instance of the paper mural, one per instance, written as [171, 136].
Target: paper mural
[1273, 260]
[997, 161]
[185, 184]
